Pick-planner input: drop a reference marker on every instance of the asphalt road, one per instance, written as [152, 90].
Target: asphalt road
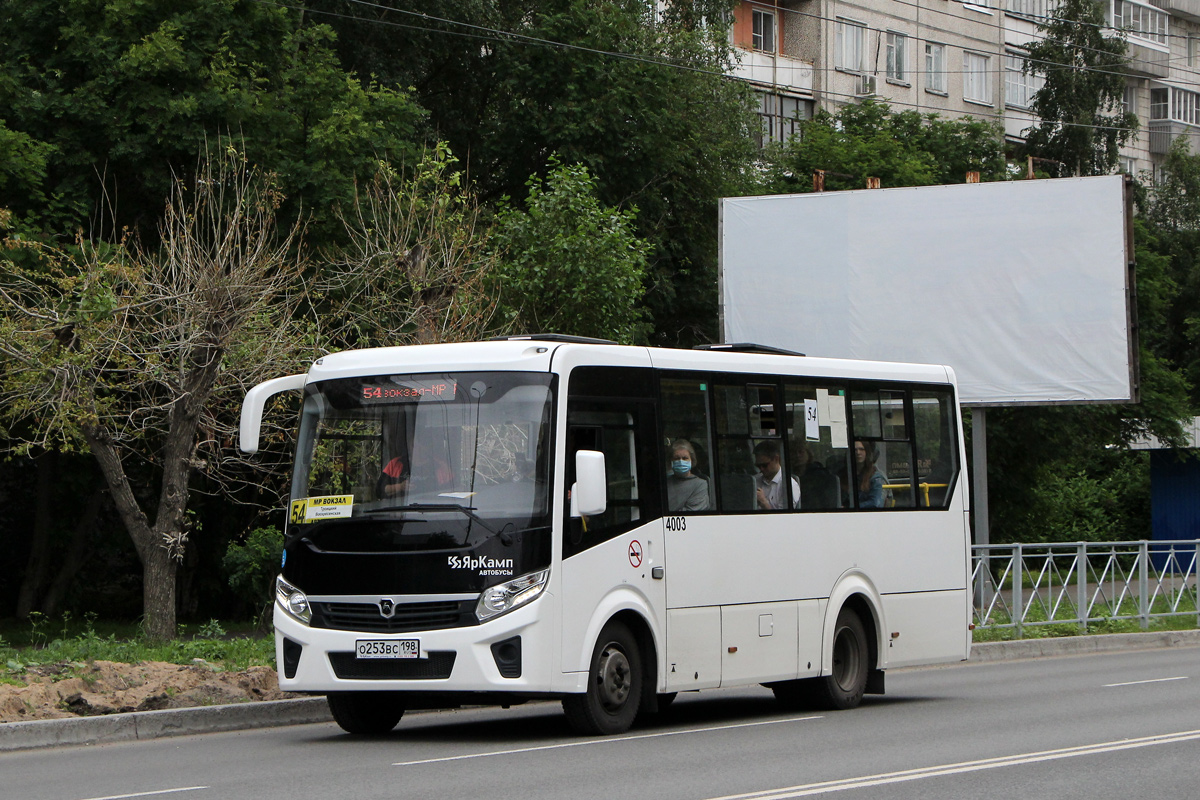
[1096, 726]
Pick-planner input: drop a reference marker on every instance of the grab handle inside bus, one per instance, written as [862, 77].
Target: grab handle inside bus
[252, 409]
[589, 494]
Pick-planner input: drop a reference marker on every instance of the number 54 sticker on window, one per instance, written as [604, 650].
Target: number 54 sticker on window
[314, 508]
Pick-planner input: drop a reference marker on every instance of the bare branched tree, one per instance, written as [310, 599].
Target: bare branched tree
[415, 267]
[142, 356]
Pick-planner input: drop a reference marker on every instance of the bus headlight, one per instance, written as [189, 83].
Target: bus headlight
[293, 601]
[504, 597]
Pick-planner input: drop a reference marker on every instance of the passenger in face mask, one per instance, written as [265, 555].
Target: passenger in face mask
[686, 491]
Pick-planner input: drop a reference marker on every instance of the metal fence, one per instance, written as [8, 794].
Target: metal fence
[1026, 585]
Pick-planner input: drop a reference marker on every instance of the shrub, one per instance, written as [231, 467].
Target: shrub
[252, 565]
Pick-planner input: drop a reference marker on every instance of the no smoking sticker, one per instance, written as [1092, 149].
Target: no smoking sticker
[635, 553]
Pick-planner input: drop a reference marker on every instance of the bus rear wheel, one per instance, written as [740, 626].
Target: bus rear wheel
[365, 713]
[614, 690]
[844, 686]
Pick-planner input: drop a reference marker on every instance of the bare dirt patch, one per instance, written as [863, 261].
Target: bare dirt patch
[61, 691]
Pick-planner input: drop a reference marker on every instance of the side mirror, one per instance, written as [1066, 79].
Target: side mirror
[252, 408]
[589, 495]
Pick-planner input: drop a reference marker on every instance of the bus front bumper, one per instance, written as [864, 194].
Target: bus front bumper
[505, 654]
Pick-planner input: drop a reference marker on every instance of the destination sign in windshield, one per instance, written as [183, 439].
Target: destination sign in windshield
[410, 391]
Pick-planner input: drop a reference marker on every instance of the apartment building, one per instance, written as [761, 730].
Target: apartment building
[958, 58]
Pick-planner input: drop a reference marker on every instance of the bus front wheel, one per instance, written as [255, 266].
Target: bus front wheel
[365, 712]
[844, 686]
[614, 690]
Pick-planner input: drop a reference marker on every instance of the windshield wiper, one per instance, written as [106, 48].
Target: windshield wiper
[469, 511]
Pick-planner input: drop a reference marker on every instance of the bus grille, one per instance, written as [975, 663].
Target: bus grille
[408, 617]
[436, 667]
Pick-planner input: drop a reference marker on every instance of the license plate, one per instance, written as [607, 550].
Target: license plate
[387, 648]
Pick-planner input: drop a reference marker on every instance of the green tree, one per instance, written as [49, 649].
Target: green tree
[1171, 210]
[22, 164]
[414, 262]
[642, 102]
[134, 352]
[1082, 121]
[900, 148]
[569, 264]
[125, 92]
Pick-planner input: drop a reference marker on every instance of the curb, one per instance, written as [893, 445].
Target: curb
[139, 725]
[142, 725]
[1081, 645]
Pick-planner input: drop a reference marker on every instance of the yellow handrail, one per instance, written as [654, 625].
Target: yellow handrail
[925, 487]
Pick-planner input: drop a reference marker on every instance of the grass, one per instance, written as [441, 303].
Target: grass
[1124, 619]
[66, 641]
[73, 642]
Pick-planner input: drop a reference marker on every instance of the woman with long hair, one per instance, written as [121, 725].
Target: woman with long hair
[870, 479]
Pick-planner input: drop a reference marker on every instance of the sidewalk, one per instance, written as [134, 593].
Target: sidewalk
[245, 716]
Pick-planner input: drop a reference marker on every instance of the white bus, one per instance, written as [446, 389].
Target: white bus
[552, 517]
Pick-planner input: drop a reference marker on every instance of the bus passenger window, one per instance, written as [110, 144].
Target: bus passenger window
[687, 444]
[753, 474]
[934, 435]
[816, 433]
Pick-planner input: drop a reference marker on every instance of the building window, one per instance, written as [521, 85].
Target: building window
[1038, 9]
[1193, 50]
[1019, 85]
[977, 78]
[1129, 99]
[897, 56]
[1185, 106]
[1159, 103]
[781, 116]
[763, 38]
[1141, 21]
[849, 47]
[935, 67]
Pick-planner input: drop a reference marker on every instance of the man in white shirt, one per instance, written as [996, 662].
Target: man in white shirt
[769, 480]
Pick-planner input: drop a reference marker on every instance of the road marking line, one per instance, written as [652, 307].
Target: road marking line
[868, 781]
[1152, 680]
[149, 794]
[611, 740]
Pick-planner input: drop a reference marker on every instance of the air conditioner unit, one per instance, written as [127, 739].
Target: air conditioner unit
[866, 86]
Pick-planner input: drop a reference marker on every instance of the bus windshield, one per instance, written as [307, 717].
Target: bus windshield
[422, 461]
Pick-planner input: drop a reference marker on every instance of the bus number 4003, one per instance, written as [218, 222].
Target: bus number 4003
[676, 523]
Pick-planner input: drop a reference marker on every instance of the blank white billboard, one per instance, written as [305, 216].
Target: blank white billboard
[1022, 287]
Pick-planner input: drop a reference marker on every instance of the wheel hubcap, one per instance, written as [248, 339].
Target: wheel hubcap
[845, 659]
[615, 677]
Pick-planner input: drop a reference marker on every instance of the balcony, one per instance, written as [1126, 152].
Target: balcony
[768, 69]
[1165, 131]
[1147, 28]
[1187, 9]
[1148, 62]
